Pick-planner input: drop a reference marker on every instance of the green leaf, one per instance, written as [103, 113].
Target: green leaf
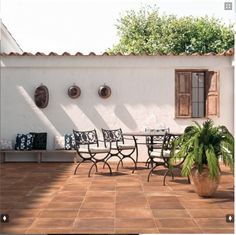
[146, 30]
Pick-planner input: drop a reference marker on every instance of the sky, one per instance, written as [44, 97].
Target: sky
[87, 25]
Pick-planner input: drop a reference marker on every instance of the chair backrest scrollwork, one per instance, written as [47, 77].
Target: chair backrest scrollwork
[85, 137]
[157, 139]
[111, 136]
[169, 141]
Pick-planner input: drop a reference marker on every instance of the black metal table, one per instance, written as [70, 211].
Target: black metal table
[136, 134]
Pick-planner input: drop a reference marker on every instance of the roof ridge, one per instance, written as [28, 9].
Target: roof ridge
[229, 52]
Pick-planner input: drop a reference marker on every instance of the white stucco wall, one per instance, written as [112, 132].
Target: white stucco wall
[143, 93]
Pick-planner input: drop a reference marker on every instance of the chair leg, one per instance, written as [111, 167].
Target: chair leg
[105, 161]
[172, 175]
[77, 167]
[153, 168]
[108, 167]
[94, 164]
[111, 157]
[122, 164]
[164, 179]
[147, 162]
[135, 165]
[121, 161]
[117, 168]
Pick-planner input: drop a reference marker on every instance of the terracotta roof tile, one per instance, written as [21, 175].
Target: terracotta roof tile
[53, 54]
[27, 53]
[65, 53]
[13, 53]
[78, 53]
[40, 54]
[229, 52]
[119, 54]
[105, 53]
[92, 54]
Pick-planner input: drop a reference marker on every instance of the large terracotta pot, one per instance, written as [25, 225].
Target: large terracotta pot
[203, 184]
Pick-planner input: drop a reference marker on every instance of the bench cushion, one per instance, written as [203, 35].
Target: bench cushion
[59, 142]
[6, 145]
[69, 141]
[126, 146]
[39, 141]
[94, 150]
[24, 142]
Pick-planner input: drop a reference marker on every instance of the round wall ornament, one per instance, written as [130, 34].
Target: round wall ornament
[74, 91]
[41, 96]
[104, 91]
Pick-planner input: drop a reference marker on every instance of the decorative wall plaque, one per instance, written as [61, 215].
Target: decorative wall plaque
[41, 96]
[74, 92]
[104, 91]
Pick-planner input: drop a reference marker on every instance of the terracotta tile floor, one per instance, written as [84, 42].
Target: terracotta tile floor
[48, 198]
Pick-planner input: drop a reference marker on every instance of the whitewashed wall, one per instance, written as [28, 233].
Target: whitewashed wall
[143, 93]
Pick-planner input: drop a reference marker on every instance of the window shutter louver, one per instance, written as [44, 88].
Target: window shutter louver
[183, 104]
[212, 94]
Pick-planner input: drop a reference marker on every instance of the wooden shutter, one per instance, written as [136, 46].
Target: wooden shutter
[183, 104]
[212, 94]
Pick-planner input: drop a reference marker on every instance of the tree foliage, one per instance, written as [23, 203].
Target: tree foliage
[147, 31]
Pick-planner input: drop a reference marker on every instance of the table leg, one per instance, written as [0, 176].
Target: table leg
[136, 147]
[151, 139]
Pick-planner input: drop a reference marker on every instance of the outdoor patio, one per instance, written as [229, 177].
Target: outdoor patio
[48, 198]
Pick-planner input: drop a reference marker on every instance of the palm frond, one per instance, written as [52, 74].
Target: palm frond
[205, 144]
[212, 162]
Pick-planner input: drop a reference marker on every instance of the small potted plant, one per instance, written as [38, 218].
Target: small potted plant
[202, 146]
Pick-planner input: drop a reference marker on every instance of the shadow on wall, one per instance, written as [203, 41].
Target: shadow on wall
[125, 117]
[66, 114]
[92, 114]
[34, 114]
[89, 113]
[136, 90]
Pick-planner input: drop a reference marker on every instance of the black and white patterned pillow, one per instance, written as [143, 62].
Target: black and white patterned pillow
[24, 142]
[69, 141]
[39, 141]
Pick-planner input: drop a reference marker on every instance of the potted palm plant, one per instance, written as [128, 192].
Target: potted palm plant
[203, 146]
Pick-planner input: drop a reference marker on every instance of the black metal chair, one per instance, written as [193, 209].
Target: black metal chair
[88, 149]
[155, 143]
[116, 140]
[162, 159]
[169, 151]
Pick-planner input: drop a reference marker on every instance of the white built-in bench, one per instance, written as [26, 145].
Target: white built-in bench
[39, 153]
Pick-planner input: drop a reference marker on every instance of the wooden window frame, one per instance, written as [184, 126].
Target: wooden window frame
[207, 94]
